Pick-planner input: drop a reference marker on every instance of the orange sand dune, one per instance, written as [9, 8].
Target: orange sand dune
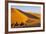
[17, 16]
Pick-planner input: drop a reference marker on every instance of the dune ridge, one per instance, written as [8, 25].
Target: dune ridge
[18, 16]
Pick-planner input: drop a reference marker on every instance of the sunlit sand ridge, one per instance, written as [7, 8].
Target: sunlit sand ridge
[18, 17]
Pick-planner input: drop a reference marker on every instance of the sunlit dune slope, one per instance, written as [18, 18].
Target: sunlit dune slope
[17, 16]
[30, 15]
[33, 18]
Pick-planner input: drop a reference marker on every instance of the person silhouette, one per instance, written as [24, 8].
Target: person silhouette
[22, 24]
[16, 24]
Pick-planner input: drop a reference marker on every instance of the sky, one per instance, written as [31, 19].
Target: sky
[34, 9]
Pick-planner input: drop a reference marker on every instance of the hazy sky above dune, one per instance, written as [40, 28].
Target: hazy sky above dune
[34, 9]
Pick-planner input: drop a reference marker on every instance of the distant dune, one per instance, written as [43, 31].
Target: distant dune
[19, 17]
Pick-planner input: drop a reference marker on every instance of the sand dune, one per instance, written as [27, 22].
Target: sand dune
[18, 16]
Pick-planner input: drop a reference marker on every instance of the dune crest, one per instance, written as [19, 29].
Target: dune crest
[18, 16]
